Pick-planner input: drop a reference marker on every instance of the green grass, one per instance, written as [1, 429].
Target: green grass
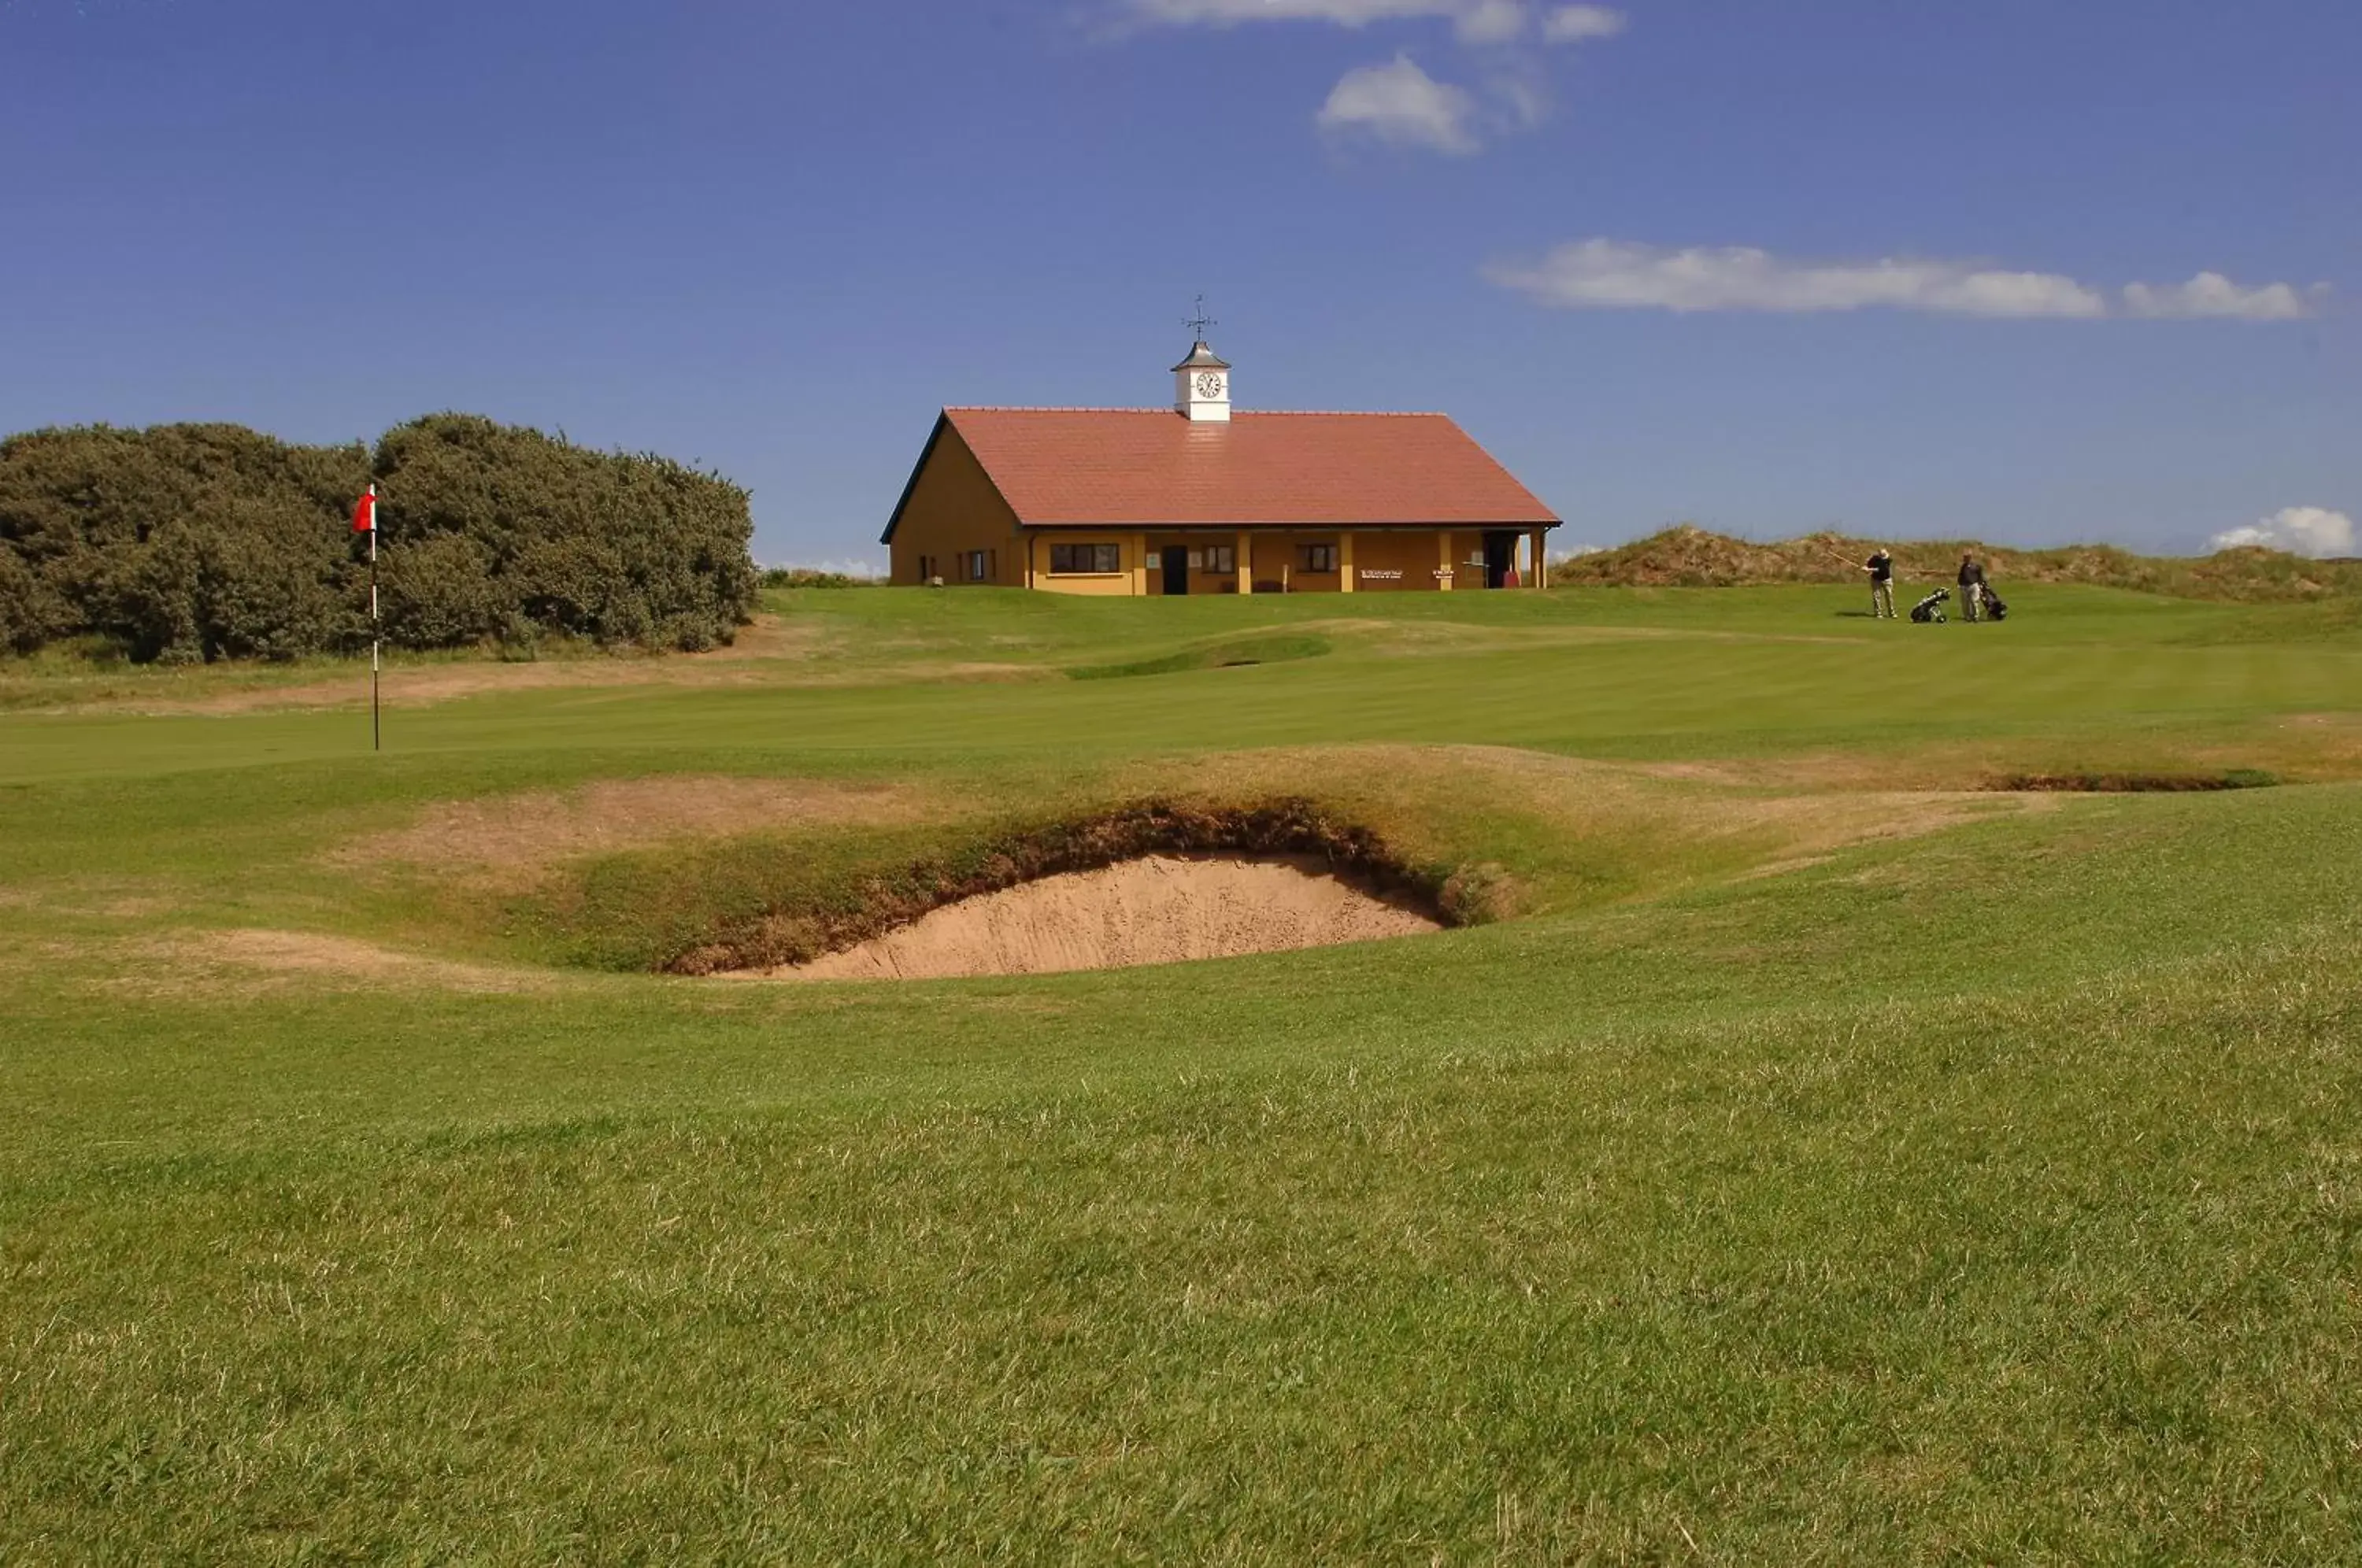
[1772, 1191]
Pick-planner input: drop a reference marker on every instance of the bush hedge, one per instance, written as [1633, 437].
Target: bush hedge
[201, 542]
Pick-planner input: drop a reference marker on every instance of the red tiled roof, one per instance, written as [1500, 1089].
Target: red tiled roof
[1150, 466]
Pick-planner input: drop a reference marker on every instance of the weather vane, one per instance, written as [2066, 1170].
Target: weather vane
[1199, 322]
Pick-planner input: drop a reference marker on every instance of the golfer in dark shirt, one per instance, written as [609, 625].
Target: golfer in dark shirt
[1880, 568]
[1972, 588]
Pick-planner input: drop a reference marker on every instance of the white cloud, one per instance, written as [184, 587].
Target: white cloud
[2301, 530]
[1477, 21]
[1580, 23]
[1521, 100]
[1400, 102]
[1491, 21]
[1606, 274]
[2213, 294]
[1463, 14]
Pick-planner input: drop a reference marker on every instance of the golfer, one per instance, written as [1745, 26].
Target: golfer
[1973, 587]
[1881, 566]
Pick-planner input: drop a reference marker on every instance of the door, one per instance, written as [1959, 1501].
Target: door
[1177, 568]
[1500, 557]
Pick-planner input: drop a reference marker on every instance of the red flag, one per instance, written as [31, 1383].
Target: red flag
[365, 512]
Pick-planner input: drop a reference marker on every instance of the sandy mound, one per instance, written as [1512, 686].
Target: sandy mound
[244, 962]
[1158, 909]
[1693, 558]
[514, 838]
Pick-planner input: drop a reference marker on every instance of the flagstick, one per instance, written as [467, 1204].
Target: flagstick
[377, 735]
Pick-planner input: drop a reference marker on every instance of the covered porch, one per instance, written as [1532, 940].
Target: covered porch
[1158, 562]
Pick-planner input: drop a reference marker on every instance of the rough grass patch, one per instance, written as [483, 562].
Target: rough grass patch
[2135, 783]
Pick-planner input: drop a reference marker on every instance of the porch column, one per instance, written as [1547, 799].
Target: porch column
[1033, 567]
[1139, 565]
[1344, 563]
[1542, 569]
[1443, 560]
[1245, 562]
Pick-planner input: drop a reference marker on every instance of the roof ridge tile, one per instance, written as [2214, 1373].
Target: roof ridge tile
[1169, 413]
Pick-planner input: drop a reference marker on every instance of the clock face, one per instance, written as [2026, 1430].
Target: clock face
[1208, 385]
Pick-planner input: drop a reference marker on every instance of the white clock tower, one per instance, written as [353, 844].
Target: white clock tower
[1201, 386]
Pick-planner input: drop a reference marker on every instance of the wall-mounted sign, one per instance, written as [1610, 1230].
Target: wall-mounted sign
[1380, 574]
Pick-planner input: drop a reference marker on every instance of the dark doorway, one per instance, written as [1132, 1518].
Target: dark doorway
[1500, 557]
[1177, 568]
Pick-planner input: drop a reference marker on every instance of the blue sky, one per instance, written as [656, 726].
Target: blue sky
[2027, 269]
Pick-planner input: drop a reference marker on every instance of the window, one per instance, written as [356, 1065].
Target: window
[1221, 557]
[1319, 558]
[977, 566]
[1085, 558]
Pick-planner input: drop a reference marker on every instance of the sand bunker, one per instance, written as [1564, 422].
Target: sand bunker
[1161, 908]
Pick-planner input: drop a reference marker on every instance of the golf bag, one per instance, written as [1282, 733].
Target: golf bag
[1994, 609]
[1930, 610]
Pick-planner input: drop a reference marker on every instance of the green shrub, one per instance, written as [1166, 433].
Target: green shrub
[29, 614]
[437, 592]
[814, 577]
[193, 542]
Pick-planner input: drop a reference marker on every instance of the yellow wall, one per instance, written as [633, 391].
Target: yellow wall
[1275, 551]
[1454, 550]
[954, 508]
[1202, 578]
[1271, 551]
[1131, 578]
[1275, 562]
[1411, 553]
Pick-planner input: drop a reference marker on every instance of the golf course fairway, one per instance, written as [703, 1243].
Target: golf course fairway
[1798, 1145]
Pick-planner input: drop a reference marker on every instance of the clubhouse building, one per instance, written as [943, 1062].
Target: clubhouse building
[1203, 500]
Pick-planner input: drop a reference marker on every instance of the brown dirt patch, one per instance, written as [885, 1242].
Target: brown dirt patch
[1158, 909]
[513, 839]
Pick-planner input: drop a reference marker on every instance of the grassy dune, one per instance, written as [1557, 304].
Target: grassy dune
[1694, 558]
[1827, 1158]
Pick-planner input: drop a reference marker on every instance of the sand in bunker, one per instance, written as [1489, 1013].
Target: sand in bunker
[1158, 909]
